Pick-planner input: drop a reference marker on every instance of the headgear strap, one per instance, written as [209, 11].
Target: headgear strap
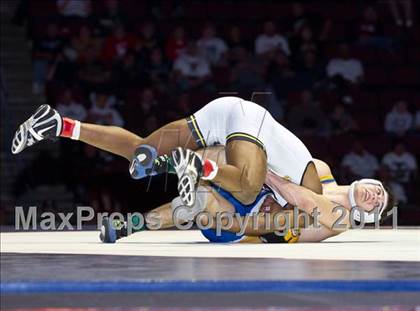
[357, 212]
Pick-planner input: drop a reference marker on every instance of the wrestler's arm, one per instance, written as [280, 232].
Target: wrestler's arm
[308, 235]
[328, 214]
[258, 224]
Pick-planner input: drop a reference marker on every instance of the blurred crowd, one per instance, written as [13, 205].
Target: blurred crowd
[348, 87]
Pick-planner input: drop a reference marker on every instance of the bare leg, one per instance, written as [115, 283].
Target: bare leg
[311, 180]
[245, 171]
[110, 138]
[123, 143]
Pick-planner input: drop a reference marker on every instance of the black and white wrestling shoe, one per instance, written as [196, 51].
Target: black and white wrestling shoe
[188, 166]
[45, 123]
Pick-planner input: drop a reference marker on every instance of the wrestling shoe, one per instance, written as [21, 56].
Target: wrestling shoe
[45, 123]
[111, 231]
[189, 167]
[146, 163]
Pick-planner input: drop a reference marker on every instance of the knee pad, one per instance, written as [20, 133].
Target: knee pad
[181, 212]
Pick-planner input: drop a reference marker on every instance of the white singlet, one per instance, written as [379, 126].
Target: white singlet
[233, 118]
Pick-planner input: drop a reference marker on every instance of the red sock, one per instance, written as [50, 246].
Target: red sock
[71, 128]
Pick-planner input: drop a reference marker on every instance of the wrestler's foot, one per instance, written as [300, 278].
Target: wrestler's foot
[45, 123]
[111, 231]
[146, 163]
[188, 166]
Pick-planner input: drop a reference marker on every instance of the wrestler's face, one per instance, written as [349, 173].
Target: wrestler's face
[369, 196]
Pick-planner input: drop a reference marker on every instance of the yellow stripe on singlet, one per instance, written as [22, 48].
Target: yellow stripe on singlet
[327, 179]
[244, 135]
[197, 130]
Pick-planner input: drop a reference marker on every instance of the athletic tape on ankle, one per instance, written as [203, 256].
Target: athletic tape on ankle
[210, 169]
[76, 131]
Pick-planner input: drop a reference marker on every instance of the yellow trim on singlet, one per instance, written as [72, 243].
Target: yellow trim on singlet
[197, 130]
[325, 179]
[250, 137]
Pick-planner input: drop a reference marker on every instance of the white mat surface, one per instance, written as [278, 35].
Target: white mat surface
[385, 244]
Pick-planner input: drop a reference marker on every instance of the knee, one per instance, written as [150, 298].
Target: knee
[250, 190]
[137, 141]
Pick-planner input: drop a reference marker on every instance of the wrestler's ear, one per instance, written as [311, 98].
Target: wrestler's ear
[392, 202]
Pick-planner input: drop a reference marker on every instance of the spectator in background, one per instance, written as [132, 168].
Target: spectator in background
[341, 121]
[270, 40]
[148, 36]
[408, 12]
[370, 32]
[148, 102]
[180, 109]
[306, 118]
[93, 74]
[81, 43]
[68, 107]
[111, 16]
[118, 45]
[305, 43]
[246, 75]
[138, 112]
[191, 69]
[211, 46]
[235, 41]
[176, 44]
[127, 73]
[384, 175]
[158, 70]
[417, 121]
[359, 163]
[301, 18]
[74, 8]
[401, 163]
[281, 76]
[45, 54]
[102, 113]
[399, 120]
[344, 72]
[311, 72]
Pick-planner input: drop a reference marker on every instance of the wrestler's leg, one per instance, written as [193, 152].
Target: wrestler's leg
[311, 180]
[46, 123]
[244, 172]
[122, 142]
[163, 215]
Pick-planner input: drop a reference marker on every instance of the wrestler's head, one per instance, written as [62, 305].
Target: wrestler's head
[369, 195]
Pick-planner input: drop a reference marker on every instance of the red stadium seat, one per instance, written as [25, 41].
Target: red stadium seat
[376, 75]
[365, 54]
[407, 76]
[316, 145]
[412, 143]
[368, 123]
[377, 144]
[391, 58]
[414, 55]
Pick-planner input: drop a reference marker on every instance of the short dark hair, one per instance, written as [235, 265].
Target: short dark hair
[392, 202]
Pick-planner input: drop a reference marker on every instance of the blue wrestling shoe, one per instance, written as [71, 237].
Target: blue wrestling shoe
[143, 161]
[147, 163]
[111, 231]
